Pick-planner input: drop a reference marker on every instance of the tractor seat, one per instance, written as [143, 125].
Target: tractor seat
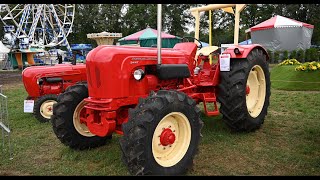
[206, 51]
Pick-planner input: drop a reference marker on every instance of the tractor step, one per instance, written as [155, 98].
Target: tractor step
[210, 99]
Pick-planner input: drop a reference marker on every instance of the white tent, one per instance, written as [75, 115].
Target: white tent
[281, 33]
[3, 48]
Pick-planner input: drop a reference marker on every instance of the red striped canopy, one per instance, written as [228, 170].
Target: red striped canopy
[278, 22]
[147, 33]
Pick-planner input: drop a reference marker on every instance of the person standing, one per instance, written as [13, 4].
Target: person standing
[59, 58]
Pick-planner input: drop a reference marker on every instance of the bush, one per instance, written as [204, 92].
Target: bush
[308, 55]
[300, 55]
[314, 54]
[293, 54]
[276, 56]
[270, 53]
[285, 55]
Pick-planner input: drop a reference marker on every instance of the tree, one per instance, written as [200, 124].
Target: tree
[139, 17]
[177, 18]
[130, 18]
[111, 17]
[85, 22]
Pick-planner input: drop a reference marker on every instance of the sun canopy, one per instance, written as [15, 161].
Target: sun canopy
[204, 44]
[246, 42]
[32, 50]
[147, 33]
[148, 37]
[279, 22]
[81, 46]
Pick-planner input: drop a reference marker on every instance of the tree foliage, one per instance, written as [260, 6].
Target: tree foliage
[177, 20]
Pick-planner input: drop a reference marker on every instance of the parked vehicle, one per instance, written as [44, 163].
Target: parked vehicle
[150, 96]
[44, 83]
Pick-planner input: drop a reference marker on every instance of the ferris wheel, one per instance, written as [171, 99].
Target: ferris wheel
[36, 25]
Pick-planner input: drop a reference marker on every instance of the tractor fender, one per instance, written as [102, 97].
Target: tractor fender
[244, 50]
[53, 74]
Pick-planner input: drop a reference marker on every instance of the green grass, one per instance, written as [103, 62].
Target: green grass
[288, 143]
[286, 78]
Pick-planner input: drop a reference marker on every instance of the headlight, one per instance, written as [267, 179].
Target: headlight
[138, 74]
[237, 51]
[39, 81]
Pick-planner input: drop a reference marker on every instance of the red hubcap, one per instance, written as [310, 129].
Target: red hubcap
[247, 90]
[167, 137]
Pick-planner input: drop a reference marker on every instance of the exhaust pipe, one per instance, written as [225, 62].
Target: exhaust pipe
[159, 18]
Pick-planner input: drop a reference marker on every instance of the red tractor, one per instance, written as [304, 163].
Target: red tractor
[150, 96]
[44, 83]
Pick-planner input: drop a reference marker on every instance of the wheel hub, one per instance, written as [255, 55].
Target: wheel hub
[255, 91]
[171, 139]
[167, 137]
[79, 120]
[247, 90]
[46, 108]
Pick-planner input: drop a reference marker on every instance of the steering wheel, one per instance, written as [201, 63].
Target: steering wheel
[186, 39]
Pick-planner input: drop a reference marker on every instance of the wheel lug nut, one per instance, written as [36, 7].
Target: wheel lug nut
[164, 148]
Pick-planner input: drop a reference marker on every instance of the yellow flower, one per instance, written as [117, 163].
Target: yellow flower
[303, 68]
[314, 68]
[291, 63]
[318, 65]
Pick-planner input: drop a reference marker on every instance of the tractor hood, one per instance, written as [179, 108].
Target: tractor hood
[30, 75]
[109, 68]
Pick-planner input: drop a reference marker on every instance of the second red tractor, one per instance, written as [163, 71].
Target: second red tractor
[44, 83]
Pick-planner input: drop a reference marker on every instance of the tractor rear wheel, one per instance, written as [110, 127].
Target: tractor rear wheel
[66, 120]
[244, 92]
[42, 109]
[162, 134]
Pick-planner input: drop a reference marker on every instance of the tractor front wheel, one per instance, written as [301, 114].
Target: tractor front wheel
[66, 120]
[43, 107]
[162, 134]
[244, 92]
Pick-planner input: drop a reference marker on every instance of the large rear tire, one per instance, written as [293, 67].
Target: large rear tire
[66, 120]
[244, 92]
[162, 134]
[42, 109]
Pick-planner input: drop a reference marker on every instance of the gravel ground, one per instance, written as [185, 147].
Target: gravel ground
[9, 78]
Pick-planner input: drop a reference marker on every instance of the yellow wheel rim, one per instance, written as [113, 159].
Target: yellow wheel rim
[178, 126]
[256, 91]
[46, 108]
[79, 124]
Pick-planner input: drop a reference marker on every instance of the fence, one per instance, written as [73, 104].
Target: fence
[4, 125]
[5, 64]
